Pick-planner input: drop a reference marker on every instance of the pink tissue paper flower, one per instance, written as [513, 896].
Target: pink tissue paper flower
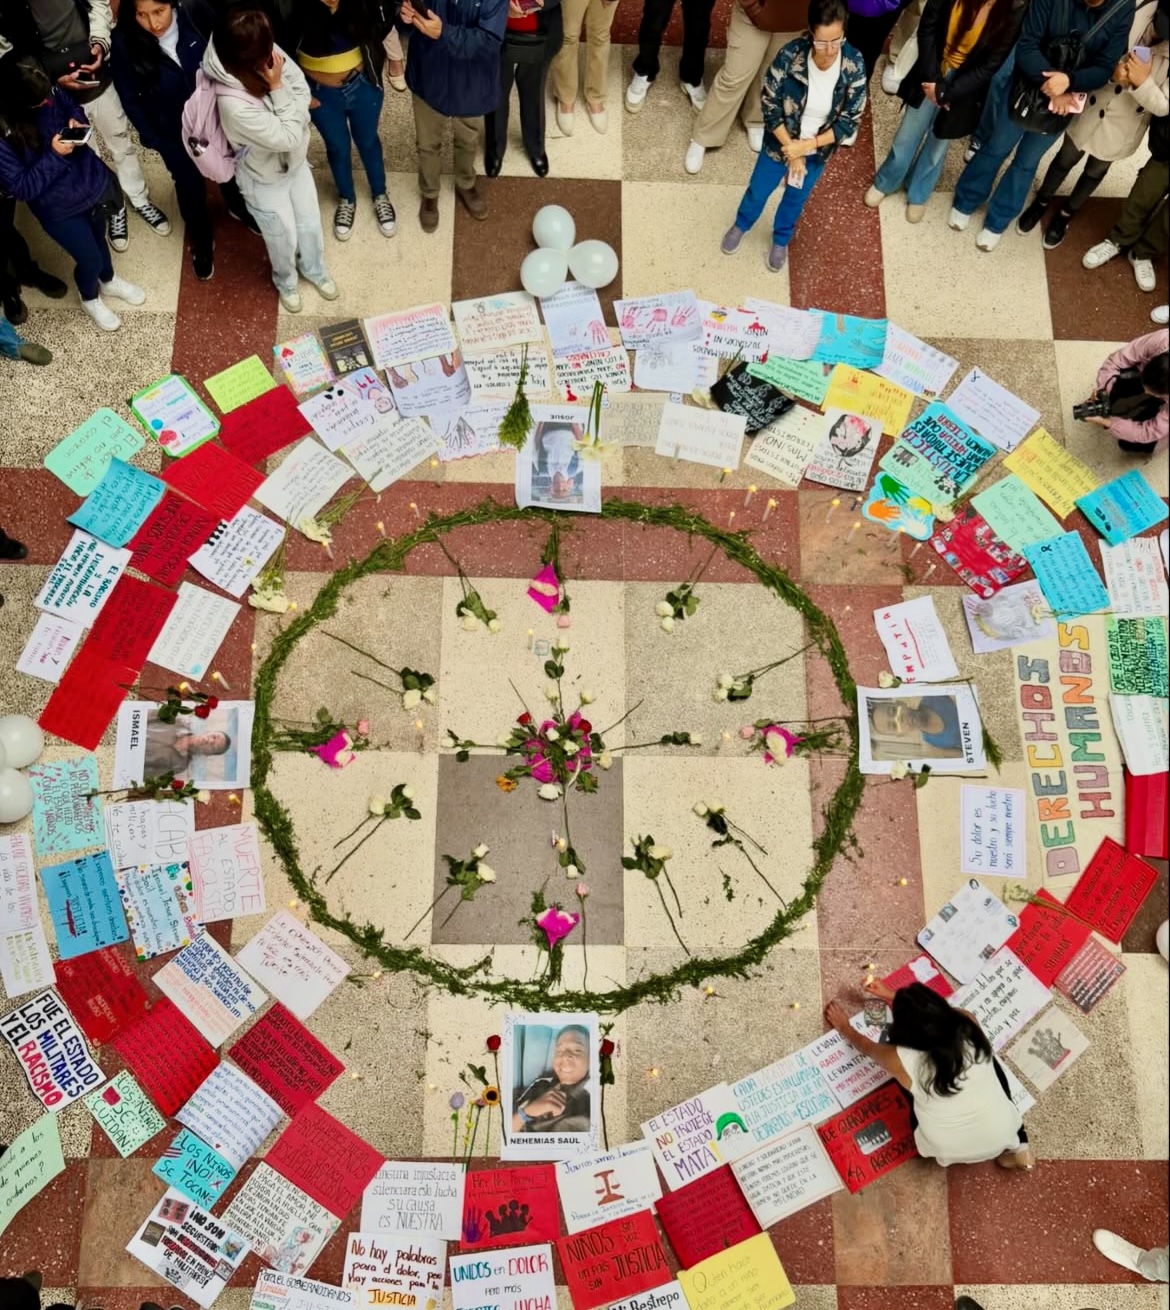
[547, 577]
[780, 742]
[557, 923]
[336, 751]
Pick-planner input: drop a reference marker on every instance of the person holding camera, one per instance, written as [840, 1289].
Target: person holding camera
[1067, 48]
[1131, 396]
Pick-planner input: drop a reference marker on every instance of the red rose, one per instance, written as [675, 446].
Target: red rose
[493, 1043]
[525, 718]
[607, 1047]
[177, 784]
[585, 726]
[212, 702]
[203, 711]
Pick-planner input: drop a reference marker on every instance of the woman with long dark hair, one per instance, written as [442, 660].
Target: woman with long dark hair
[158, 47]
[961, 44]
[962, 1111]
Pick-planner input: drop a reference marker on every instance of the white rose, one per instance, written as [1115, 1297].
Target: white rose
[561, 844]
[494, 625]
[543, 588]
[720, 694]
[430, 695]
[587, 698]
[470, 623]
[696, 738]
[664, 609]
[552, 735]
[899, 770]
[571, 871]
[605, 760]
[203, 796]
[700, 809]
[480, 852]
[549, 791]
[408, 793]
[561, 646]
[716, 807]
[270, 599]
[660, 852]
[666, 624]
[887, 679]
[571, 748]
[377, 805]
[504, 739]
[484, 874]
[727, 680]
[552, 691]
[411, 698]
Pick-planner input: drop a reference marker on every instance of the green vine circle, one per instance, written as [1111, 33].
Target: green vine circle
[390, 555]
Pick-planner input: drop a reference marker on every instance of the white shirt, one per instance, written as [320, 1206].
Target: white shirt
[819, 105]
[976, 1123]
[169, 41]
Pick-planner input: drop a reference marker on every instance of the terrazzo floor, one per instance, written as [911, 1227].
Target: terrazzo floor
[1036, 322]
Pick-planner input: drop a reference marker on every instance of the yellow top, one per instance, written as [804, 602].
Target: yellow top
[959, 46]
[342, 62]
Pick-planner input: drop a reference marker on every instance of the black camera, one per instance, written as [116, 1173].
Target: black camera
[1124, 397]
[1099, 407]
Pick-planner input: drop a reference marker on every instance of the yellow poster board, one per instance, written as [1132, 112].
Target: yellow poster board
[1057, 477]
[744, 1277]
[858, 392]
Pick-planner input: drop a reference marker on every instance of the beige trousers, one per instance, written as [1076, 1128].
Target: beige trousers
[430, 129]
[596, 18]
[737, 86]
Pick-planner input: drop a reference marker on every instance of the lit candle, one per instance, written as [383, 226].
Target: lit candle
[653, 1071]
[434, 462]
[731, 518]
[916, 549]
[233, 799]
[723, 475]
[418, 727]
[414, 510]
[531, 635]
[796, 1005]
[708, 990]
[930, 570]
[853, 529]
[903, 882]
[832, 506]
[768, 508]
[292, 905]
[751, 491]
[381, 528]
[218, 677]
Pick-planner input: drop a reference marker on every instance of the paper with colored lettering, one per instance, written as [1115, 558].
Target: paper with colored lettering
[1089, 975]
[1070, 583]
[327, 1161]
[697, 1136]
[237, 551]
[1135, 578]
[148, 832]
[1141, 726]
[937, 456]
[194, 631]
[1003, 996]
[263, 426]
[576, 374]
[293, 963]
[505, 318]
[406, 1271]
[1137, 657]
[123, 1113]
[1111, 890]
[574, 320]
[649, 320]
[1124, 507]
[1053, 473]
[496, 373]
[785, 1094]
[230, 1113]
[619, 1258]
[25, 963]
[915, 641]
[784, 448]
[80, 459]
[303, 363]
[405, 335]
[193, 1168]
[677, 367]
[226, 872]
[706, 1216]
[848, 1074]
[65, 816]
[159, 906]
[118, 506]
[49, 647]
[700, 436]
[210, 988]
[101, 991]
[88, 696]
[1013, 616]
[968, 930]
[915, 364]
[787, 1175]
[31, 1162]
[239, 383]
[84, 905]
[285, 1060]
[290, 1293]
[870, 1138]
[993, 411]
[858, 392]
[847, 339]
[992, 831]
[51, 1051]
[519, 1279]
[1047, 938]
[214, 479]
[413, 1196]
[354, 407]
[191, 1250]
[389, 452]
[175, 530]
[1015, 513]
[847, 449]
[166, 1054]
[437, 387]
[968, 545]
[128, 626]
[174, 415]
[806, 379]
[607, 1185]
[79, 584]
[502, 1207]
[305, 482]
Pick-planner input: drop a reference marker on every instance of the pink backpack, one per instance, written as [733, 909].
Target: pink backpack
[203, 134]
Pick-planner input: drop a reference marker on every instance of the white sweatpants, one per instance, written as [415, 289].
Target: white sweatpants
[109, 118]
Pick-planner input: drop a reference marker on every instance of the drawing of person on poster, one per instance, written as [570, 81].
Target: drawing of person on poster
[550, 1098]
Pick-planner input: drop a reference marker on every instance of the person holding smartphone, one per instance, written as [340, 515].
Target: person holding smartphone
[1111, 126]
[46, 162]
[532, 38]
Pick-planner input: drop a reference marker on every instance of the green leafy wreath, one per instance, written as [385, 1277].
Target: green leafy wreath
[390, 555]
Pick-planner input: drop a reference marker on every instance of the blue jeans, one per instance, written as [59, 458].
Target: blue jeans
[978, 178]
[10, 340]
[767, 175]
[83, 236]
[915, 153]
[350, 112]
[995, 106]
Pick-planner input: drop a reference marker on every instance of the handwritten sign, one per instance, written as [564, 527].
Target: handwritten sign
[212, 991]
[229, 1112]
[700, 436]
[497, 373]
[1135, 578]
[123, 1113]
[388, 1271]
[1089, 975]
[81, 458]
[383, 456]
[1003, 997]
[263, 426]
[846, 451]
[1143, 732]
[1137, 657]
[992, 834]
[49, 648]
[576, 373]
[166, 1054]
[806, 379]
[358, 405]
[65, 816]
[1124, 507]
[502, 1207]
[574, 320]
[616, 1259]
[858, 392]
[915, 364]
[174, 415]
[51, 1050]
[848, 1074]
[215, 479]
[325, 1159]
[677, 367]
[739, 391]
[148, 832]
[706, 1216]
[194, 631]
[226, 872]
[414, 1198]
[848, 339]
[304, 483]
[102, 993]
[1070, 583]
[1047, 938]
[129, 624]
[649, 320]
[784, 448]
[238, 550]
[188, 1248]
[193, 1168]
[667, 1297]
[993, 411]
[84, 905]
[506, 318]
[1111, 890]
[293, 963]
[239, 383]
[1013, 616]
[406, 335]
[782, 1096]
[521, 1279]
[276, 1289]
[871, 1138]
[79, 584]
[607, 1185]
[915, 641]
[30, 1164]
[1015, 513]
[118, 506]
[286, 1228]
[173, 532]
[786, 1176]
[968, 930]
[747, 1277]
[303, 363]
[1055, 475]
[688, 1140]
[159, 906]
[977, 555]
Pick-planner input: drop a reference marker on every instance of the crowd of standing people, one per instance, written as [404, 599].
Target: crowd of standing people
[229, 91]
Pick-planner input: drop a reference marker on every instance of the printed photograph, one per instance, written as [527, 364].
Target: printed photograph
[919, 726]
[550, 1067]
[214, 752]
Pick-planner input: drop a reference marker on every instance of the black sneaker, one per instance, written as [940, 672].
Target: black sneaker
[1054, 233]
[118, 230]
[343, 217]
[203, 262]
[153, 217]
[11, 548]
[1031, 216]
[47, 284]
[385, 215]
[973, 148]
[15, 310]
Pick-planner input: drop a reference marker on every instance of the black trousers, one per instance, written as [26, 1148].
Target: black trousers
[17, 266]
[696, 29]
[869, 35]
[1067, 158]
[524, 63]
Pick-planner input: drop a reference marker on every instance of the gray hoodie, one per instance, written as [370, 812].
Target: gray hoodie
[273, 133]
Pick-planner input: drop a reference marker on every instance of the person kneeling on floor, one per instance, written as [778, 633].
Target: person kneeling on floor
[1130, 400]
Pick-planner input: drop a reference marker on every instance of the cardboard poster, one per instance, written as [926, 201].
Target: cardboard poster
[1137, 657]
[285, 1060]
[193, 1251]
[210, 988]
[237, 551]
[915, 641]
[786, 1176]
[1053, 473]
[923, 724]
[166, 1054]
[174, 415]
[286, 1228]
[123, 1113]
[787, 1093]
[263, 426]
[148, 832]
[1135, 578]
[194, 632]
[1048, 1049]
[506, 318]
[226, 873]
[706, 1216]
[871, 1138]
[159, 907]
[214, 479]
[81, 581]
[1089, 975]
[384, 456]
[102, 993]
[405, 335]
[846, 452]
[49, 648]
[849, 339]
[617, 1259]
[784, 448]
[993, 411]
[81, 458]
[51, 1051]
[193, 1168]
[1124, 507]
[307, 479]
[915, 364]
[1070, 583]
[83, 903]
[1003, 997]
[383, 1270]
[504, 1207]
[992, 835]
[65, 817]
[608, 1185]
[303, 363]
[521, 1279]
[858, 392]
[172, 533]
[415, 1198]
[691, 1139]
[1047, 939]
[968, 545]
[31, 1162]
[549, 1097]
[748, 1277]
[848, 1073]
[1012, 616]
[119, 505]
[649, 320]
[1111, 890]
[276, 1291]
[87, 698]
[128, 626]
[239, 383]
[968, 930]
[293, 963]
[230, 1113]
[327, 1161]
[700, 436]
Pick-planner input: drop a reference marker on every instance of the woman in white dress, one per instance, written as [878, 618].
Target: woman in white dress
[962, 1112]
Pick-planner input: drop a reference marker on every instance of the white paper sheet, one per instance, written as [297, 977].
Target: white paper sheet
[415, 1197]
[915, 641]
[784, 448]
[1013, 616]
[354, 407]
[230, 1113]
[384, 456]
[922, 724]
[1135, 578]
[293, 963]
[210, 989]
[194, 631]
[674, 367]
[993, 831]
[80, 582]
[1140, 724]
[1003, 996]
[993, 411]
[226, 872]
[701, 436]
[148, 832]
[846, 450]
[307, 480]
[237, 551]
[438, 385]
[497, 373]
[506, 318]
[405, 335]
[670, 316]
[50, 647]
[915, 364]
[968, 930]
[574, 320]
[786, 1176]
[549, 471]
[576, 374]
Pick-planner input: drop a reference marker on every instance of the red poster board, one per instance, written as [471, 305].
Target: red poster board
[130, 621]
[510, 1207]
[102, 993]
[613, 1261]
[983, 561]
[706, 1216]
[264, 425]
[1147, 815]
[322, 1157]
[283, 1058]
[921, 969]
[167, 1054]
[1111, 890]
[84, 702]
[870, 1138]
[1089, 975]
[173, 532]
[1047, 940]
[214, 479]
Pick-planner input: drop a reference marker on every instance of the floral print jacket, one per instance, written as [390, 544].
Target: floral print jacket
[786, 90]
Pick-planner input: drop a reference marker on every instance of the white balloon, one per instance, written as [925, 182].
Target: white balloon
[16, 796]
[593, 263]
[3, 757]
[21, 739]
[543, 272]
[553, 228]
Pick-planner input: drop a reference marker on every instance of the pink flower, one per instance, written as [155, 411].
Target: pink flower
[363, 727]
[780, 744]
[582, 890]
[336, 751]
[557, 923]
[747, 732]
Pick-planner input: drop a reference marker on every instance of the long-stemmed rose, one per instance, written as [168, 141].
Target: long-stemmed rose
[650, 859]
[379, 811]
[414, 684]
[739, 686]
[731, 834]
[468, 875]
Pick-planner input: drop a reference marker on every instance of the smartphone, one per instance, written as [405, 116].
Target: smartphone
[76, 136]
[528, 6]
[1142, 52]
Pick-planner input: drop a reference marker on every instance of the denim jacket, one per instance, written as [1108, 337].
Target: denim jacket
[786, 90]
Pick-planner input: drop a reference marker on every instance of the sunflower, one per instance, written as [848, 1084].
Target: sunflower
[504, 783]
[491, 1096]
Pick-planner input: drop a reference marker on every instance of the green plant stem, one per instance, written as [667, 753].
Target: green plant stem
[358, 650]
[352, 831]
[633, 709]
[357, 848]
[584, 949]
[670, 917]
[429, 910]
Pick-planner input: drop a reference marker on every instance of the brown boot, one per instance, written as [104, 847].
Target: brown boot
[475, 204]
[428, 214]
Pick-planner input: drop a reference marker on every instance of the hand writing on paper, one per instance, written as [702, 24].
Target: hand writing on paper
[473, 1229]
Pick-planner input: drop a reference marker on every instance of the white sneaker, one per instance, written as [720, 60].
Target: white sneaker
[755, 136]
[1160, 314]
[874, 197]
[890, 80]
[291, 300]
[120, 289]
[1117, 1249]
[636, 92]
[1100, 254]
[1162, 938]
[693, 159]
[102, 314]
[850, 140]
[327, 290]
[566, 120]
[1143, 273]
[988, 240]
[697, 95]
[599, 119]
[957, 220]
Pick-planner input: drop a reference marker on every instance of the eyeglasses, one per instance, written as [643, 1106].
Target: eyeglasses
[828, 45]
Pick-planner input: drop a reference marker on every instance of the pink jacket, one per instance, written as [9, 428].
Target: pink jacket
[1153, 431]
